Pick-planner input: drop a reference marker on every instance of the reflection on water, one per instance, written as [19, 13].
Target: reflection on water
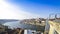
[14, 24]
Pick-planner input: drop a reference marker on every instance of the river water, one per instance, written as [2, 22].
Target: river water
[17, 24]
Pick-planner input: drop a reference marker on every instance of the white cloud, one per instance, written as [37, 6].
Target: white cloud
[8, 11]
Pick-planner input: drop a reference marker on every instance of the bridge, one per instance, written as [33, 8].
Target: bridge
[48, 26]
[54, 27]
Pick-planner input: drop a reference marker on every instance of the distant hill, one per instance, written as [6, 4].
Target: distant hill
[6, 20]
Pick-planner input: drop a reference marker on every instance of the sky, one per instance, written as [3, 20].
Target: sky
[22, 9]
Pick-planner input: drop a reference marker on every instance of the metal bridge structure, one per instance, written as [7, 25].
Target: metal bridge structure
[52, 26]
